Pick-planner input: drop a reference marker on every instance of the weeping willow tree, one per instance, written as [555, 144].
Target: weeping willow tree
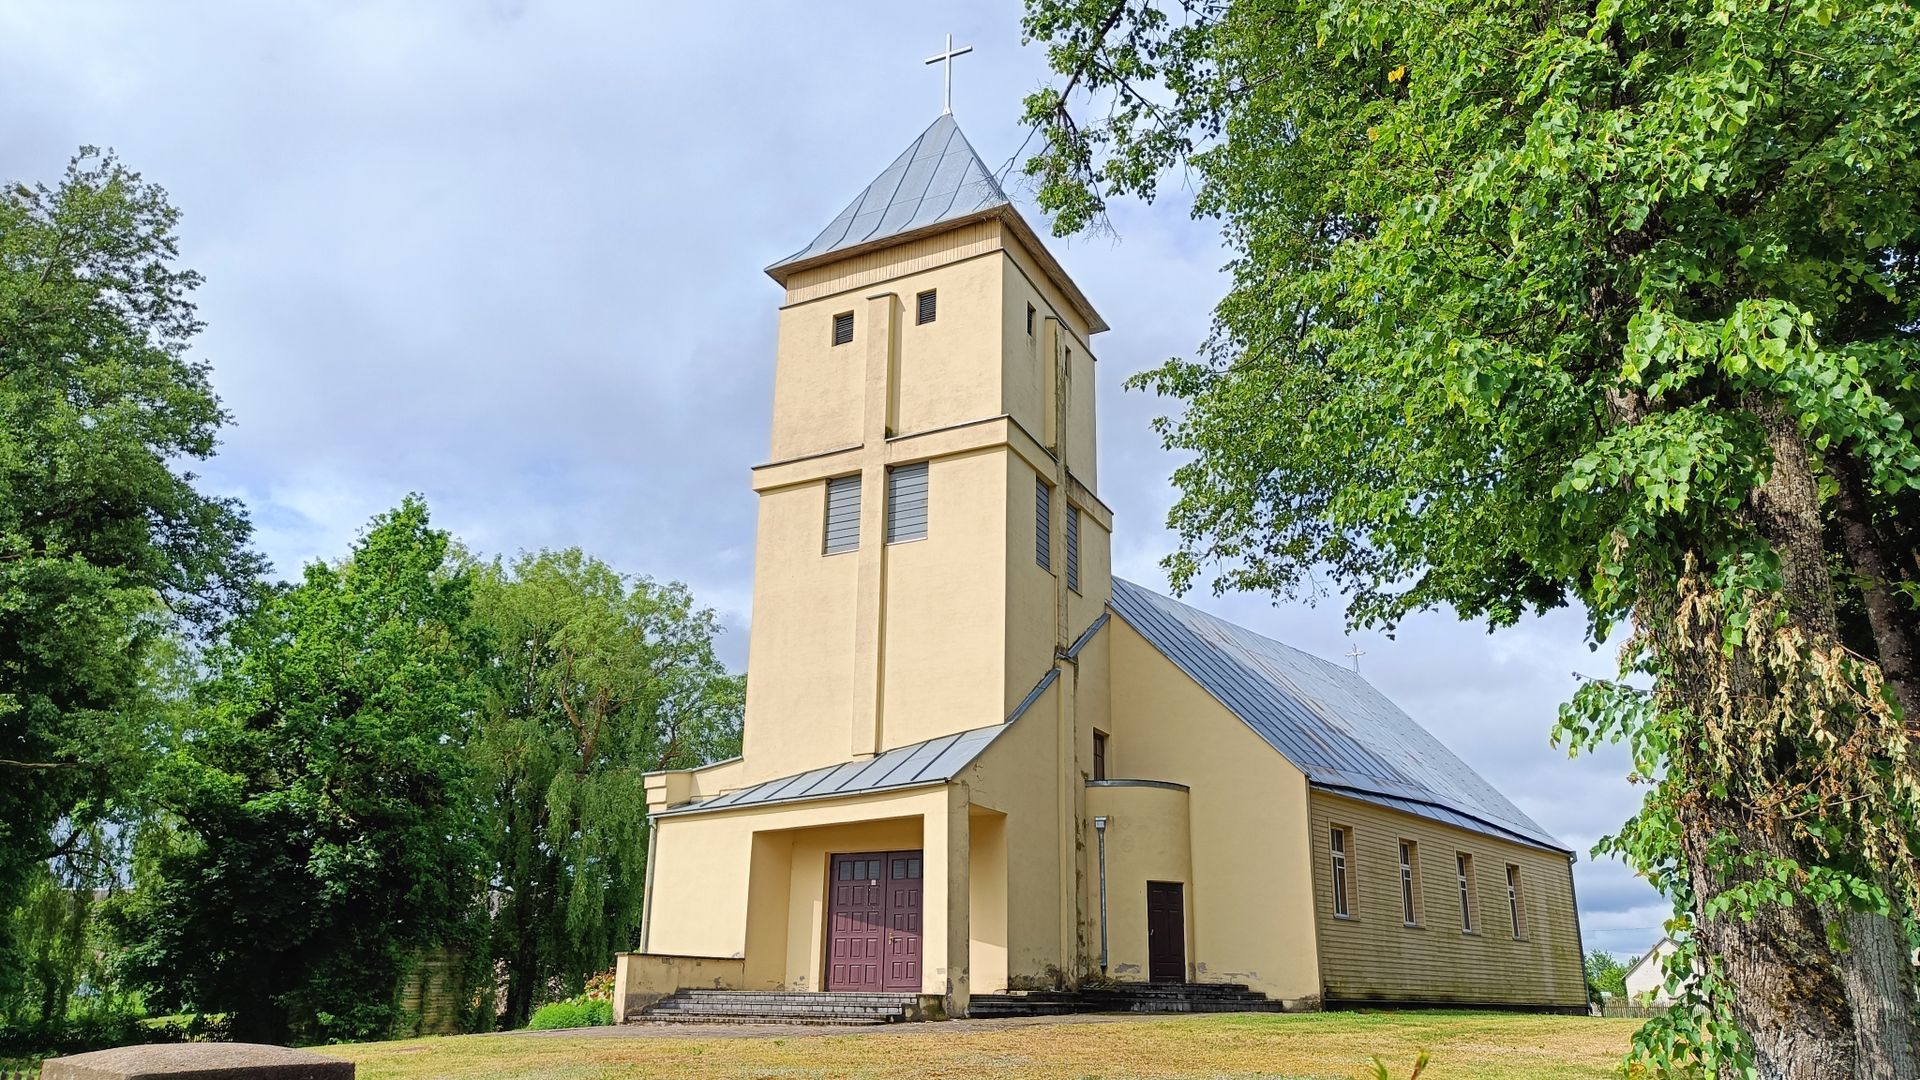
[596, 678]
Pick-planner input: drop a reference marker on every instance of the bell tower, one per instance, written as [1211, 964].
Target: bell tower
[930, 535]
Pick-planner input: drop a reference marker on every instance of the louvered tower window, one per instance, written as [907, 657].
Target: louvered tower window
[843, 328]
[925, 307]
[1042, 525]
[1073, 549]
[843, 514]
[907, 502]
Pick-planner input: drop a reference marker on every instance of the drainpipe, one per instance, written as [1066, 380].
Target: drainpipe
[1100, 827]
[646, 899]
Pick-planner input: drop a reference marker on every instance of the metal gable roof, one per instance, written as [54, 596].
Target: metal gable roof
[1329, 722]
[939, 178]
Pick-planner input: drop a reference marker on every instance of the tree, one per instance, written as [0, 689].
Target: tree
[106, 546]
[1612, 305]
[320, 813]
[1606, 975]
[595, 678]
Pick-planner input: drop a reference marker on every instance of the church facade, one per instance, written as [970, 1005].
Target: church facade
[974, 761]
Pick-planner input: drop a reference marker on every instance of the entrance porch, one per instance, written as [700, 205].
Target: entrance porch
[899, 893]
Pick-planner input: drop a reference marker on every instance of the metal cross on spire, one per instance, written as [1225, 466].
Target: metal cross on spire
[1354, 653]
[947, 59]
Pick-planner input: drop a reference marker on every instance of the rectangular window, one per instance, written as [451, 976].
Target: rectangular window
[1043, 525]
[1515, 902]
[924, 307]
[1029, 320]
[843, 514]
[1099, 755]
[1073, 549]
[1410, 882]
[1338, 841]
[1463, 863]
[907, 502]
[843, 328]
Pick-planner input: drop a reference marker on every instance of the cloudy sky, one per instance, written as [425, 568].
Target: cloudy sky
[508, 255]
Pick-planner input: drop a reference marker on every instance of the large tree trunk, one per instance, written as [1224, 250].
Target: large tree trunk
[1873, 969]
[1895, 626]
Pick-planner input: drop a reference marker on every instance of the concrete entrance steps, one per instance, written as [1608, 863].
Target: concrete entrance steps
[779, 1007]
[1126, 998]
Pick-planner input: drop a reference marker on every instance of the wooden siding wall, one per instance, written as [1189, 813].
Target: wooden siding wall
[1375, 956]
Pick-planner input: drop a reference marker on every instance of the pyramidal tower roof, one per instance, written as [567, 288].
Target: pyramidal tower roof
[937, 183]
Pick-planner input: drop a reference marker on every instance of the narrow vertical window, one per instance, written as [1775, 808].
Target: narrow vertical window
[1073, 548]
[1337, 840]
[1409, 882]
[1029, 320]
[1463, 864]
[1514, 901]
[1043, 525]
[843, 328]
[925, 307]
[843, 515]
[1099, 755]
[907, 502]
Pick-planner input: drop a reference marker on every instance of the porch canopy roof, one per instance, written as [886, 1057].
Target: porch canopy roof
[934, 761]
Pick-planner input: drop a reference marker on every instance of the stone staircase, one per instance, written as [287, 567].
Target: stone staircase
[1126, 998]
[778, 1007]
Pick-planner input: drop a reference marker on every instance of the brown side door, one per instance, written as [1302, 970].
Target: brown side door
[1166, 932]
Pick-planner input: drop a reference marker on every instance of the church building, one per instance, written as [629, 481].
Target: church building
[976, 763]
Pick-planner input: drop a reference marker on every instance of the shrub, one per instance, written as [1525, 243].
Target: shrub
[573, 1013]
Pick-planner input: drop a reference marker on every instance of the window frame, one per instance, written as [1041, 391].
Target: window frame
[841, 483]
[1469, 899]
[1340, 853]
[838, 319]
[1099, 754]
[888, 532]
[926, 306]
[1071, 542]
[1030, 315]
[1410, 905]
[1516, 902]
[1043, 524]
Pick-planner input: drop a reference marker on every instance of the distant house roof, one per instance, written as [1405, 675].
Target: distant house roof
[937, 183]
[1347, 737]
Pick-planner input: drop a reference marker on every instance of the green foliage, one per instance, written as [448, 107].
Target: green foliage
[1381, 1072]
[593, 679]
[103, 537]
[1528, 302]
[1606, 975]
[321, 805]
[573, 1013]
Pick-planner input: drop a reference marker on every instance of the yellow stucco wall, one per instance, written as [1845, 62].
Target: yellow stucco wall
[1149, 837]
[1374, 955]
[1251, 905]
[946, 621]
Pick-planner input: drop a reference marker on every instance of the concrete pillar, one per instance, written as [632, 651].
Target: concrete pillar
[947, 900]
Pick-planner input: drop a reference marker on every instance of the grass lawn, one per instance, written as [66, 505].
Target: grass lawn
[1465, 1046]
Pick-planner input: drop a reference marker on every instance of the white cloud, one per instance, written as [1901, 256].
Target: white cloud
[509, 256]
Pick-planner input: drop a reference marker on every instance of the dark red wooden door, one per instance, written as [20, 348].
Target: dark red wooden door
[1166, 932]
[873, 922]
[855, 923]
[903, 922]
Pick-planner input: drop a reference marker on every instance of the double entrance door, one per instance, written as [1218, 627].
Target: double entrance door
[873, 922]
